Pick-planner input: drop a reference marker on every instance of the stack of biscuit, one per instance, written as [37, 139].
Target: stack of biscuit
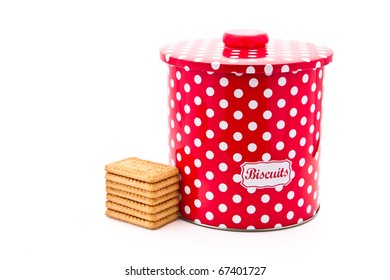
[142, 192]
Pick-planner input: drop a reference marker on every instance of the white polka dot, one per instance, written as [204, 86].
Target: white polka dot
[267, 114]
[252, 147]
[309, 189]
[291, 154]
[197, 183]
[250, 70]
[290, 215]
[251, 190]
[223, 167]
[210, 134]
[172, 82]
[237, 136]
[301, 201]
[252, 126]
[222, 207]
[187, 170]
[197, 163]
[223, 82]
[266, 136]
[209, 195]
[282, 81]
[253, 82]
[265, 198]
[267, 93]
[268, 68]
[236, 219]
[187, 108]
[178, 97]
[187, 88]
[264, 219]
[313, 87]
[197, 79]
[253, 104]
[301, 182]
[178, 157]
[209, 154]
[293, 112]
[281, 103]
[318, 115]
[187, 150]
[302, 162]
[278, 207]
[222, 226]
[223, 125]
[315, 195]
[285, 69]
[209, 175]
[311, 149]
[238, 115]
[197, 203]
[279, 188]
[187, 129]
[237, 157]
[316, 175]
[319, 95]
[266, 157]
[303, 120]
[320, 74]
[210, 91]
[280, 146]
[222, 187]
[197, 100]
[187, 209]
[237, 198]
[197, 142]
[223, 146]
[305, 78]
[308, 209]
[178, 75]
[223, 103]
[178, 116]
[215, 65]
[251, 209]
[310, 169]
[238, 93]
[292, 133]
[302, 142]
[209, 216]
[304, 99]
[280, 124]
[290, 195]
[197, 121]
[311, 129]
[250, 227]
[187, 68]
[210, 113]
[278, 226]
[294, 90]
[173, 102]
[178, 137]
[187, 190]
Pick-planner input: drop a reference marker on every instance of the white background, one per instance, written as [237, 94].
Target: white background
[82, 85]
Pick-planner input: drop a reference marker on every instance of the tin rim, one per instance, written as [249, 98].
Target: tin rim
[253, 230]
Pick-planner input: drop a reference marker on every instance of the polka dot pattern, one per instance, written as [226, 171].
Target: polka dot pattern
[226, 111]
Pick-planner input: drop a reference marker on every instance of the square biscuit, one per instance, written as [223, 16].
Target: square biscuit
[142, 199]
[150, 209]
[142, 170]
[141, 222]
[142, 185]
[146, 216]
[142, 192]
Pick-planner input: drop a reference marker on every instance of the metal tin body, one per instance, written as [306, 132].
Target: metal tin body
[247, 141]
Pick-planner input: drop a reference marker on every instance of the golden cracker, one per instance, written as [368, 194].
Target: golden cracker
[141, 192]
[141, 222]
[142, 199]
[150, 209]
[142, 170]
[146, 216]
[142, 185]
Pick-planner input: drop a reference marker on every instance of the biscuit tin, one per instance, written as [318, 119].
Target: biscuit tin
[244, 129]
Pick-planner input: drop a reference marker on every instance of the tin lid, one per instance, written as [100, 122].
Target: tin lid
[246, 51]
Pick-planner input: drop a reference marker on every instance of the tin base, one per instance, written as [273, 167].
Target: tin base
[252, 230]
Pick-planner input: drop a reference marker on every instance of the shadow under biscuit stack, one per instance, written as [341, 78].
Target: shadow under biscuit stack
[142, 192]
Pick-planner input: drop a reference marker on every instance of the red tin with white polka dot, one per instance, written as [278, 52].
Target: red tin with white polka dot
[244, 129]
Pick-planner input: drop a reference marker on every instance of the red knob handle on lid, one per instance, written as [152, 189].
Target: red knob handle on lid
[245, 39]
